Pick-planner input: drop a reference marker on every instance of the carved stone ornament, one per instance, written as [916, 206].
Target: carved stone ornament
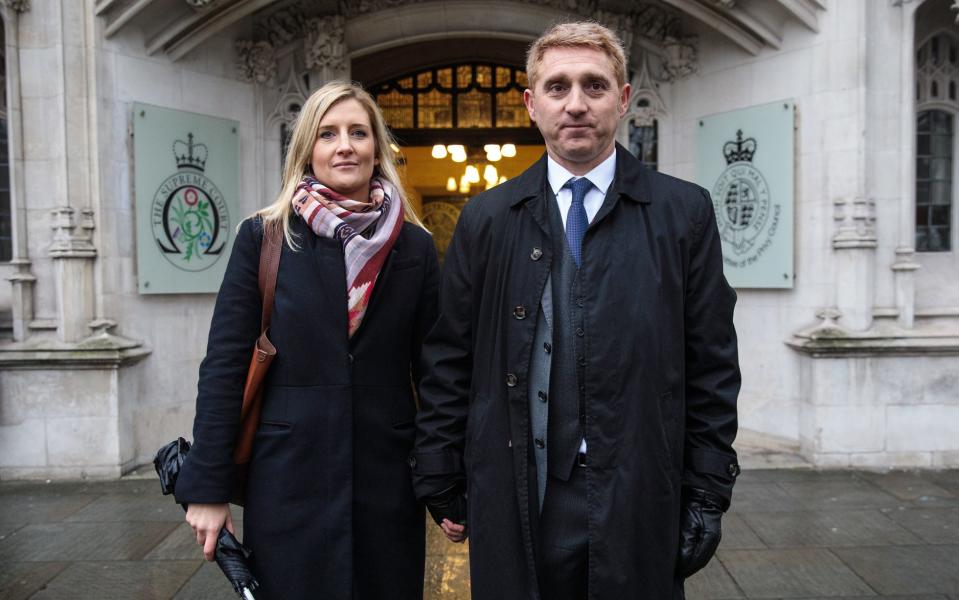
[256, 61]
[17, 6]
[679, 57]
[325, 44]
[725, 3]
[955, 7]
[72, 237]
[645, 105]
[856, 223]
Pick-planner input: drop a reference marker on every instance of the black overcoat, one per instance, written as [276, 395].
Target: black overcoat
[661, 379]
[330, 510]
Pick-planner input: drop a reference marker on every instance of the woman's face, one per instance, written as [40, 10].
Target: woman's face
[344, 153]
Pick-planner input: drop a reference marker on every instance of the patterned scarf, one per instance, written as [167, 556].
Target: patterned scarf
[333, 216]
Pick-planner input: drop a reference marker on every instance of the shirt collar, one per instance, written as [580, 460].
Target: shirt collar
[601, 176]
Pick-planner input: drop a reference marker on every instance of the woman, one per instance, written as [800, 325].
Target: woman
[329, 508]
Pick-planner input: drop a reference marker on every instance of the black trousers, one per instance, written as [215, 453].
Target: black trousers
[562, 548]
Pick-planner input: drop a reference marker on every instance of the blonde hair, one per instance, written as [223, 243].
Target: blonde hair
[300, 151]
[579, 34]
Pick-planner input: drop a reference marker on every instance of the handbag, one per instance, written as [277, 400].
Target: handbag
[263, 354]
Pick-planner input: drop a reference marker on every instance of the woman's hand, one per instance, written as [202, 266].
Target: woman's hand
[207, 520]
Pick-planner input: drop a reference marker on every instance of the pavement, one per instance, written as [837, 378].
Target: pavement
[791, 533]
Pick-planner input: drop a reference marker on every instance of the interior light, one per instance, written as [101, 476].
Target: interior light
[508, 150]
[395, 148]
[451, 184]
[493, 154]
[439, 151]
[490, 174]
[502, 179]
[459, 156]
[464, 185]
[472, 174]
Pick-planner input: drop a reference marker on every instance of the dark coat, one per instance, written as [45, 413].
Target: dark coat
[661, 379]
[330, 510]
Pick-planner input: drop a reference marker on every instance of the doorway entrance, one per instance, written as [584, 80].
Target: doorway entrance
[460, 123]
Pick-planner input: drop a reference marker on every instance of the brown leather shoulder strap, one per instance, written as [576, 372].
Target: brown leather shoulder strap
[270, 251]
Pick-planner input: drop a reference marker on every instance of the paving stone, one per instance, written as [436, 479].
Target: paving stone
[25, 508]
[828, 528]
[948, 480]
[737, 535]
[83, 541]
[791, 573]
[712, 583]
[933, 525]
[923, 597]
[906, 569]
[156, 580]
[83, 487]
[19, 580]
[7, 529]
[447, 578]
[912, 486]
[835, 494]
[208, 583]
[181, 544]
[129, 507]
[749, 497]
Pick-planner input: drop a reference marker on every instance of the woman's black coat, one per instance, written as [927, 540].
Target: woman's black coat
[329, 509]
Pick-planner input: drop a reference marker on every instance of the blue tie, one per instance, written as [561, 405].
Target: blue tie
[576, 221]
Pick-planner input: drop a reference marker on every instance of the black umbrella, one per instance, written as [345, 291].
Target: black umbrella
[230, 554]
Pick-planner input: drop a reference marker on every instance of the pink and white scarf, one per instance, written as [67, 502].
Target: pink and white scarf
[333, 216]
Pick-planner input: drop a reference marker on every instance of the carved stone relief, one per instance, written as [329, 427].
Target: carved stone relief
[204, 5]
[256, 61]
[72, 236]
[325, 44]
[679, 57]
[855, 223]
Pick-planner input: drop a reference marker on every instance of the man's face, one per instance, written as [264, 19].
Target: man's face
[576, 103]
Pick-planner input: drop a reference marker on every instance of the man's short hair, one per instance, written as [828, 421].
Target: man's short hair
[579, 34]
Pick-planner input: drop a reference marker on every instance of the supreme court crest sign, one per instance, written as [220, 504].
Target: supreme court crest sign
[745, 160]
[186, 167]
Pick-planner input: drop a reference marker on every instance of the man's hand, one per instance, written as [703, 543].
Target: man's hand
[206, 521]
[448, 509]
[700, 529]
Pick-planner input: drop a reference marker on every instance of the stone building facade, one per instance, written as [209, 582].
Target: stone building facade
[855, 364]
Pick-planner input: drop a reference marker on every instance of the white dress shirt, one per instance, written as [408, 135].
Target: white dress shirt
[601, 177]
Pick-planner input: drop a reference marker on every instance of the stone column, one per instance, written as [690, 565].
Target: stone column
[73, 254]
[906, 265]
[855, 244]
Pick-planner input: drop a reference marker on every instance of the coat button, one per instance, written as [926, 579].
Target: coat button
[547, 347]
[536, 254]
[412, 462]
[580, 302]
[519, 312]
[539, 443]
[582, 361]
[580, 332]
[542, 396]
[349, 358]
[511, 380]
[733, 470]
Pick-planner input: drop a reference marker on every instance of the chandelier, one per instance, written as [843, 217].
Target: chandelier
[477, 162]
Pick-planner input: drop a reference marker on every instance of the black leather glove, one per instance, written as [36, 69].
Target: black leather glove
[700, 529]
[449, 503]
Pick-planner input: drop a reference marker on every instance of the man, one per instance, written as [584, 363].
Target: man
[583, 374]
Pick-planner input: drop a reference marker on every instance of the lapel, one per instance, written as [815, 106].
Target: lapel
[329, 266]
[630, 182]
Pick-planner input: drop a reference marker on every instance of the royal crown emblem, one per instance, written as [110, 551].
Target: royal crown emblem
[189, 155]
